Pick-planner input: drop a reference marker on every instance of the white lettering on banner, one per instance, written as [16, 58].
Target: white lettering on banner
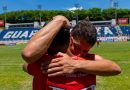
[107, 31]
[16, 34]
[19, 34]
[1, 22]
[122, 21]
[32, 33]
[8, 34]
[24, 34]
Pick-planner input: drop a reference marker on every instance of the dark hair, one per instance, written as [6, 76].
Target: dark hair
[61, 40]
[84, 30]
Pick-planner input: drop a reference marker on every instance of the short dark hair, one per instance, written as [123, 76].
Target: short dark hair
[84, 30]
[61, 39]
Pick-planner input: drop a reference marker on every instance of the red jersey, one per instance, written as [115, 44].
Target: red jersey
[34, 69]
[76, 81]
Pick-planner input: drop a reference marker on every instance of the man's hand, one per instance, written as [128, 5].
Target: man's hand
[66, 23]
[62, 65]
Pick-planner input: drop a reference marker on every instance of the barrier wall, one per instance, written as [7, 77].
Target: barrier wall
[24, 34]
[17, 34]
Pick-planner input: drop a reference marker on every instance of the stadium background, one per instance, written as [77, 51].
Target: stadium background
[115, 45]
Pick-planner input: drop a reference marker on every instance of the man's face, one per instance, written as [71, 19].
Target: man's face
[79, 47]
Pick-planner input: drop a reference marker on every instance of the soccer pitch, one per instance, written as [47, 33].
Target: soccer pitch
[12, 76]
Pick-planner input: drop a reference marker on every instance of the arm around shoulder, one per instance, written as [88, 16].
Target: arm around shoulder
[108, 66]
[99, 66]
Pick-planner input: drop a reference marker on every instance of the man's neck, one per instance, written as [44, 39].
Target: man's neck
[69, 53]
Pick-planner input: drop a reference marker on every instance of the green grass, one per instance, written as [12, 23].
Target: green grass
[119, 52]
[13, 78]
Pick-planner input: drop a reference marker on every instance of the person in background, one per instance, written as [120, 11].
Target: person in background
[98, 42]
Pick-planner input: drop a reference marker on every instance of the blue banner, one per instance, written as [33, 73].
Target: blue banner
[18, 34]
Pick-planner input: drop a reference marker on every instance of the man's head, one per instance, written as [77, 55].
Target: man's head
[60, 43]
[83, 37]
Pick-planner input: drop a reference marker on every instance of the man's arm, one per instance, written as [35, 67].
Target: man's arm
[100, 66]
[28, 69]
[65, 65]
[40, 42]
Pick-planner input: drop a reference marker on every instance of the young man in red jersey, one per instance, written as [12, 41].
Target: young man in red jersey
[43, 82]
[60, 43]
[60, 66]
[83, 37]
[77, 80]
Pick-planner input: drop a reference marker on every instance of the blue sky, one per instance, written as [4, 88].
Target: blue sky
[13, 5]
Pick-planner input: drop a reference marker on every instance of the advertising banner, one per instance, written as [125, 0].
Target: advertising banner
[123, 21]
[18, 34]
[1, 23]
